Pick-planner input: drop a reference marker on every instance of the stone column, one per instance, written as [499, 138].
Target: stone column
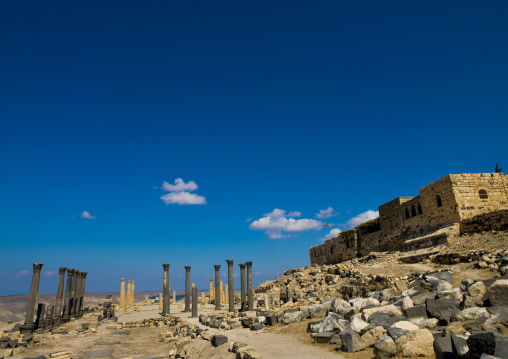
[194, 302]
[41, 311]
[82, 297]
[187, 289]
[79, 286]
[73, 293]
[50, 313]
[129, 292]
[289, 297]
[165, 291]
[132, 292]
[59, 294]
[123, 298]
[267, 305]
[174, 297]
[217, 286]
[226, 291]
[29, 325]
[242, 286]
[250, 301]
[231, 286]
[210, 295]
[68, 298]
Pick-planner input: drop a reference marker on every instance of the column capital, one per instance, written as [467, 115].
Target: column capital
[241, 265]
[229, 262]
[84, 274]
[122, 280]
[217, 266]
[248, 264]
[38, 267]
[70, 271]
[166, 266]
[187, 268]
[62, 270]
[76, 272]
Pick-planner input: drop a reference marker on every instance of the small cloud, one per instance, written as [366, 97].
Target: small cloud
[183, 198]
[326, 213]
[87, 215]
[278, 221]
[224, 275]
[333, 233]
[362, 218]
[179, 185]
[248, 219]
[180, 275]
[22, 273]
[179, 193]
[48, 274]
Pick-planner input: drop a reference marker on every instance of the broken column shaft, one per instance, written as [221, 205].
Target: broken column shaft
[165, 291]
[242, 288]
[187, 289]
[231, 286]
[250, 301]
[217, 286]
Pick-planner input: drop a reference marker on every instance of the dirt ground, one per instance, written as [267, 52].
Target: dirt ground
[279, 342]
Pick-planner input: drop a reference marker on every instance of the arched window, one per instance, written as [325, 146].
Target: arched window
[419, 208]
[438, 201]
[413, 211]
[407, 213]
[483, 194]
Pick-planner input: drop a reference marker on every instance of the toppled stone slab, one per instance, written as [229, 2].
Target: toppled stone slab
[219, 339]
[415, 343]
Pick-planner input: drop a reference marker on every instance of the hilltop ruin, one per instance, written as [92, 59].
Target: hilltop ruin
[444, 209]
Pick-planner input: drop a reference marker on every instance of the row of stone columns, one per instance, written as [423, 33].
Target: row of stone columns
[246, 288]
[65, 307]
[126, 298]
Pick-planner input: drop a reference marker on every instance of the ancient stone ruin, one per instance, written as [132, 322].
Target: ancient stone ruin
[444, 209]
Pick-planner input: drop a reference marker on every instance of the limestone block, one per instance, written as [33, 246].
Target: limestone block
[371, 337]
[415, 343]
[387, 308]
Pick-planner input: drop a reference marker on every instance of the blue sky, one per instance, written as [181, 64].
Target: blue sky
[268, 111]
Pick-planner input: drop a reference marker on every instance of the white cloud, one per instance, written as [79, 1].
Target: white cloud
[183, 198]
[248, 219]
[179, 185]
[333, 233]
[362, 218]
[87, 215]
[326, 213]
[277, 221]
[179, 193]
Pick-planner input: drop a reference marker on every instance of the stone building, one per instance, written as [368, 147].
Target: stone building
[446, 208]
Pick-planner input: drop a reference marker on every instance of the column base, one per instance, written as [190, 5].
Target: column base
[27, 328]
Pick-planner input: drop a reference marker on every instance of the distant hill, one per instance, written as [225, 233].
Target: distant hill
[13, 307]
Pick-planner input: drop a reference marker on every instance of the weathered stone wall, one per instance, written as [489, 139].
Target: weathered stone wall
[475, 201]
[497, 220]
[467, 187]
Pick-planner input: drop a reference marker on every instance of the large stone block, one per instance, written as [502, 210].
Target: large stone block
[319, 310]
[219, 339]
[415, 343]
[484, 342]
[292, 317]
[436, 308]
[351, 341]
[384, 348]
[443, 348]
[498, 292]
[459, 346]
[371, 337]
